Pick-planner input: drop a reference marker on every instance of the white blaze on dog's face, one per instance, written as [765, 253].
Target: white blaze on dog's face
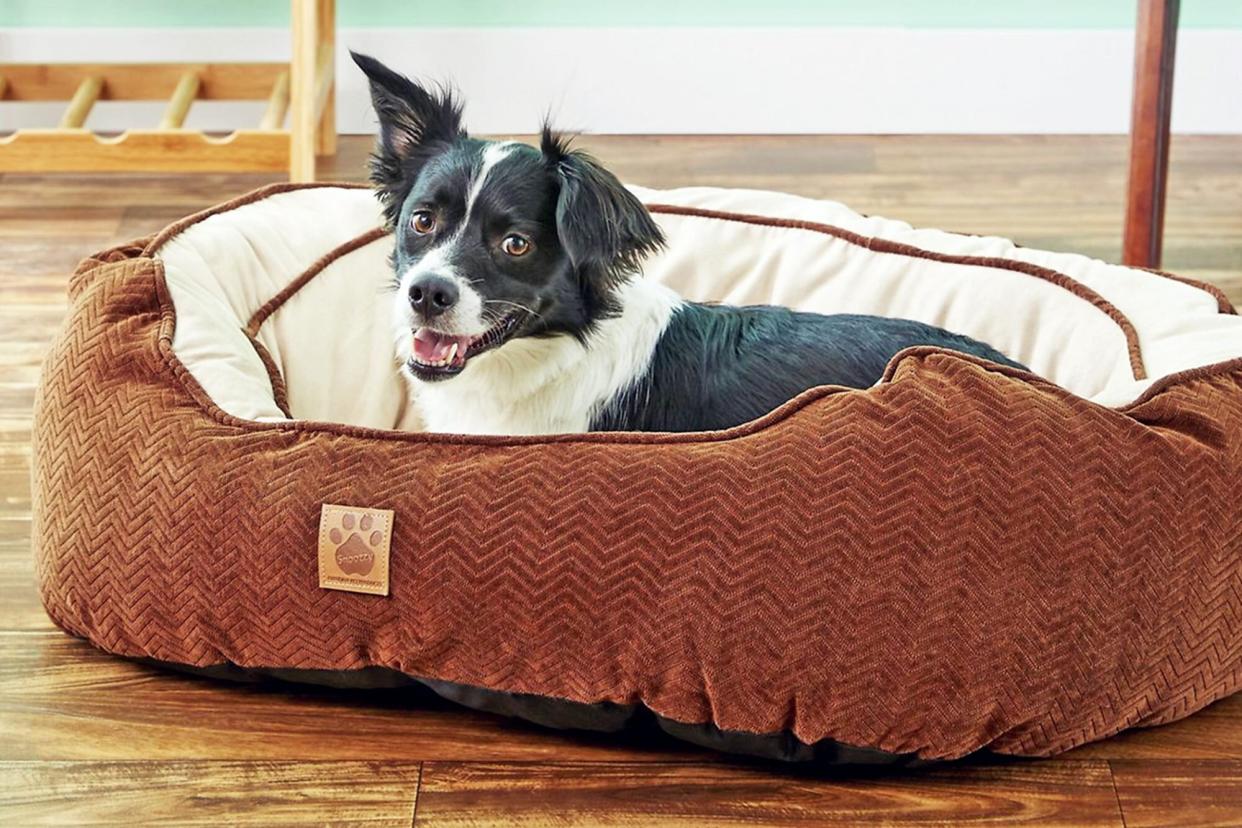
[440, 312]
[494, 241]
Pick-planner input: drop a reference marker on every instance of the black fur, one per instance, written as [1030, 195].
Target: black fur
[718, 366]
[602, 225]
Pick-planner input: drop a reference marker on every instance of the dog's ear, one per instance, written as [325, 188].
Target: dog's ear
[604, 228]
[411, 121]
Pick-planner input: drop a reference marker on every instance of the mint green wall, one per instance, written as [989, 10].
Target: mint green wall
[1022, 14]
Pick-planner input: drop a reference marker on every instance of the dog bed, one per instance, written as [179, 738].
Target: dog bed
[963, 557]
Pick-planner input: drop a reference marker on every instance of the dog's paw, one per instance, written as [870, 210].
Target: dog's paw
[357, 543]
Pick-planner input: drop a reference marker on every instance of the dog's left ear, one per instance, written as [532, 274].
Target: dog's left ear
[604, 228]
[412, 120]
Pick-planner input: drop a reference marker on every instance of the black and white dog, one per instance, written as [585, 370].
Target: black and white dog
[519, 308]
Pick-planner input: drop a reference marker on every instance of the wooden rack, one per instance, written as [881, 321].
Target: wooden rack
[302, 90]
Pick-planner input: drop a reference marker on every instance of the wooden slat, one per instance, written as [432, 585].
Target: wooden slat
[139, 81]
[4, 86]
[208, 793]
[302, 124]
[179, 103]
[31, 150]
[1051, 793]
[1152, 109]
[1185, 794]
[325, 134]
[277, 103]
[84, 98]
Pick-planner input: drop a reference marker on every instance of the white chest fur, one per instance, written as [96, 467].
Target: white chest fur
[552, 385]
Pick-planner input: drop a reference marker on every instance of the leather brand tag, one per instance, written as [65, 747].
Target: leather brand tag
[353, 548]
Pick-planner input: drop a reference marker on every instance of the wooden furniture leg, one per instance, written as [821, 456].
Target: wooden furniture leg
[325, 98]
[302, 127]
[1155, 42]
[312, 122]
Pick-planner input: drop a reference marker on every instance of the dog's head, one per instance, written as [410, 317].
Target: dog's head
[494, 241]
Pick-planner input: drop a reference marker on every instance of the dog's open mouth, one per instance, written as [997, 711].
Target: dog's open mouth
[437, 355]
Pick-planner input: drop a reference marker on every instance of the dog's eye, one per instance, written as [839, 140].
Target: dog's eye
[423, 221]
[516, 245]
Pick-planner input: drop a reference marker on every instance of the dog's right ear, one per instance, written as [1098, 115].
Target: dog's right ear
[411, 121]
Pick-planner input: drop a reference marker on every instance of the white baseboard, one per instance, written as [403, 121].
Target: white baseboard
[705, 80]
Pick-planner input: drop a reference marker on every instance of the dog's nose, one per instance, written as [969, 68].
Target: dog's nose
[433, 295]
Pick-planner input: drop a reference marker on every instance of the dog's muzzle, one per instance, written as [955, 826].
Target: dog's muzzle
[436, 355]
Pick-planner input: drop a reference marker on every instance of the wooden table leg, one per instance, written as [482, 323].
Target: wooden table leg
[1155, 43]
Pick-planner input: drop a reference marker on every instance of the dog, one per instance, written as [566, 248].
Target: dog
[520, 308]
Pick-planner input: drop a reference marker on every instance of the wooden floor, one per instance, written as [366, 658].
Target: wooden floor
[88, 738]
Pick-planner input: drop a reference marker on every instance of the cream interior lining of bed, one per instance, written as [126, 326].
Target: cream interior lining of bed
[333, 345]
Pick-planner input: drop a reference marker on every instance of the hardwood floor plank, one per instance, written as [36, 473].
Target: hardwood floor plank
[208, 793]
[15, 459]
[79, 221]
[1187, 794]
[190, 192]
[1212, 733]
[138, 222]
[21, 608]
[1045, 793]
[61, 699]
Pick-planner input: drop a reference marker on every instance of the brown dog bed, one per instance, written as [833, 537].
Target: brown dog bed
[963, 557]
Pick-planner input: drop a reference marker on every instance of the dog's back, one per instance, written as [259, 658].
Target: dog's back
[717, 366]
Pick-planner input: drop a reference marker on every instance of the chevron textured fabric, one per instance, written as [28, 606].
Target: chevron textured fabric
[963, 557]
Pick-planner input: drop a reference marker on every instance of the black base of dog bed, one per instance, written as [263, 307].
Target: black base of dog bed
[563, 714]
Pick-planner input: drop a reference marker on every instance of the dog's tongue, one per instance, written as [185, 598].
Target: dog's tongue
[433, 346]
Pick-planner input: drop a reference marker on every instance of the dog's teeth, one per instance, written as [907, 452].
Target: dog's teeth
[452, 353]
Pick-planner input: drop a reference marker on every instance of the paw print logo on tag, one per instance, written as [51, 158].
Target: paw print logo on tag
[353, 548]
[355, 551]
